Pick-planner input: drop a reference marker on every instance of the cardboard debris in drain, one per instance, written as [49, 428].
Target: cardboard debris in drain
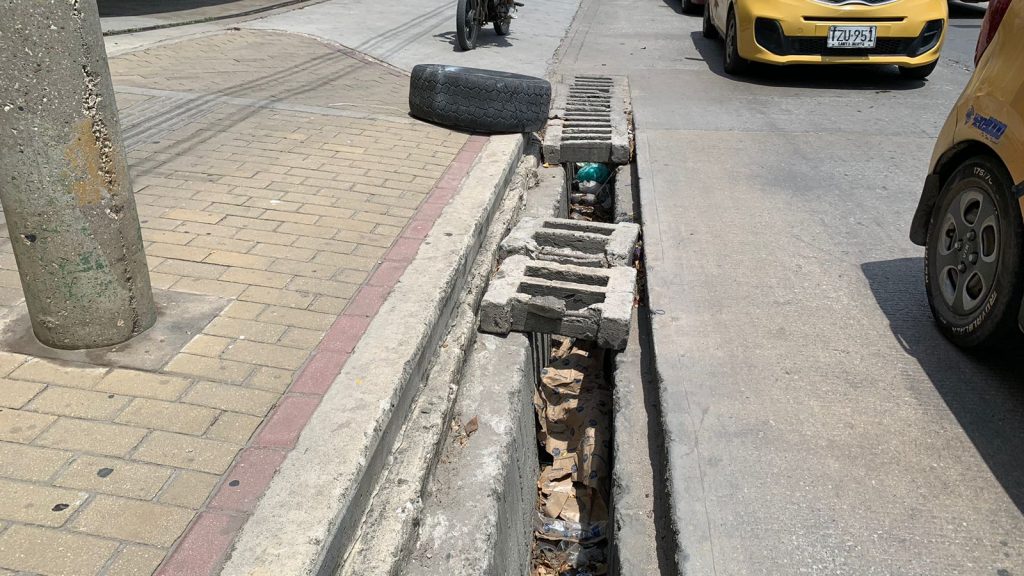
[573, 406]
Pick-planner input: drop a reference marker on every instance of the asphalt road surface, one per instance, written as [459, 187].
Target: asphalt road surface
[816, 421]
[409, 32]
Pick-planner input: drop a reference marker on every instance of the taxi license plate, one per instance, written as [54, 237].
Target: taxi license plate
[852, 37]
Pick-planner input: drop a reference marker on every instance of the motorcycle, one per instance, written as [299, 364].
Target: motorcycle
[473, 15]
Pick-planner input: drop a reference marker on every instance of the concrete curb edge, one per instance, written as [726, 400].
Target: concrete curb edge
[322, 488]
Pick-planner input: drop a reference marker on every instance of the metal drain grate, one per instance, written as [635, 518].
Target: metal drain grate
[589, 121]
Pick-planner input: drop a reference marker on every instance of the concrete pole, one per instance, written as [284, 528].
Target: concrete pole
[64, 181]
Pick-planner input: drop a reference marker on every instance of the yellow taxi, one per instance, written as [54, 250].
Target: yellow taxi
[969, 216]
[907, 33]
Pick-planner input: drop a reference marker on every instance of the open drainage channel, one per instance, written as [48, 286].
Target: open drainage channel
[573, 406]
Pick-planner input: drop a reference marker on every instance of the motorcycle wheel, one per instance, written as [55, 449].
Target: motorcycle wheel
[467, 26]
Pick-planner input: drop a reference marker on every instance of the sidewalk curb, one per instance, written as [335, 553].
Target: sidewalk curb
[392, 521]
[204, 20]
[322, 489]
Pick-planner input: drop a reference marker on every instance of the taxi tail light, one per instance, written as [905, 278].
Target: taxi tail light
[993, 18]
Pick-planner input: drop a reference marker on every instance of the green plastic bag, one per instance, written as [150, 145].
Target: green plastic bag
[593, 172]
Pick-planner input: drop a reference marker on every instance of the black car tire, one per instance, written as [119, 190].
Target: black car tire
[690, 7]
[478, 100]
[735, 64]
[918, 72]
[709, 31]
[992, 322]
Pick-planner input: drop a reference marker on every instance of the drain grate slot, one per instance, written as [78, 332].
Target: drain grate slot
[589, 121]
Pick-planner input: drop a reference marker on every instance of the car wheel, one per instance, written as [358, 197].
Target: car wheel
[709, 31]
[690, 7]
[918, 72]
[734, 63]
[974, 259]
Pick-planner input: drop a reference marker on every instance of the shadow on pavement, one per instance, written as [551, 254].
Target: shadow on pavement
[834, 77]
[110, 8]
[985, 392]
[961, 10]
[675, 5]
[487, 39]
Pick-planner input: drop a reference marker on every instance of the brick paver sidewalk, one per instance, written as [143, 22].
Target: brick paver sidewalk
[274, 174]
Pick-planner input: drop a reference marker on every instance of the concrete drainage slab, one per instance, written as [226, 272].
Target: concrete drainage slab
[589, 121]
[573, 242]
[552, 298]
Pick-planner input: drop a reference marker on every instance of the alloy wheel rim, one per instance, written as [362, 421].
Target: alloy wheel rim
[967, 254]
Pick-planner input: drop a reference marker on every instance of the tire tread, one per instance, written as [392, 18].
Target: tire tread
[478, 102]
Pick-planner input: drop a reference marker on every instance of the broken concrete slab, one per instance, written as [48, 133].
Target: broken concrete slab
[574, 242]
[550, 196]
[589, 121]
[626, 189]
[551, 298]
[478, 512]
[642, 539]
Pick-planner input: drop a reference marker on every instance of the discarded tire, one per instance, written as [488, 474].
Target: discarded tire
[478, 100]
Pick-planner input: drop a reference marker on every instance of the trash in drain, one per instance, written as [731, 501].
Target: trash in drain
[592, 196]
[574, 406]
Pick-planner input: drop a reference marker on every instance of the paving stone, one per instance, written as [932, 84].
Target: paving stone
[193, 216]
[273, 379]
[77, 403]
[60, 373]
[212, 368]
[135, 560]
[183, 451]
[243, 310]
[572, 242]
[191, 269]
[176, 252]
[114, 476]
[206, 345]
[550, 298]
[212, 287]
[133, 520]
[256, 277]
[53, 552]
[189, 489]
[21, 426]
[170, 416]
[10, 361]
[245, 329]
[31, 463]
[239, 260]
[329, 305]
[328, 287]
[144, 384]
[231, 398]
[234, 427]
[299, 318]
[301, 338]
[36, 504]
[277, 297]
[92, 437]
[17, 393]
